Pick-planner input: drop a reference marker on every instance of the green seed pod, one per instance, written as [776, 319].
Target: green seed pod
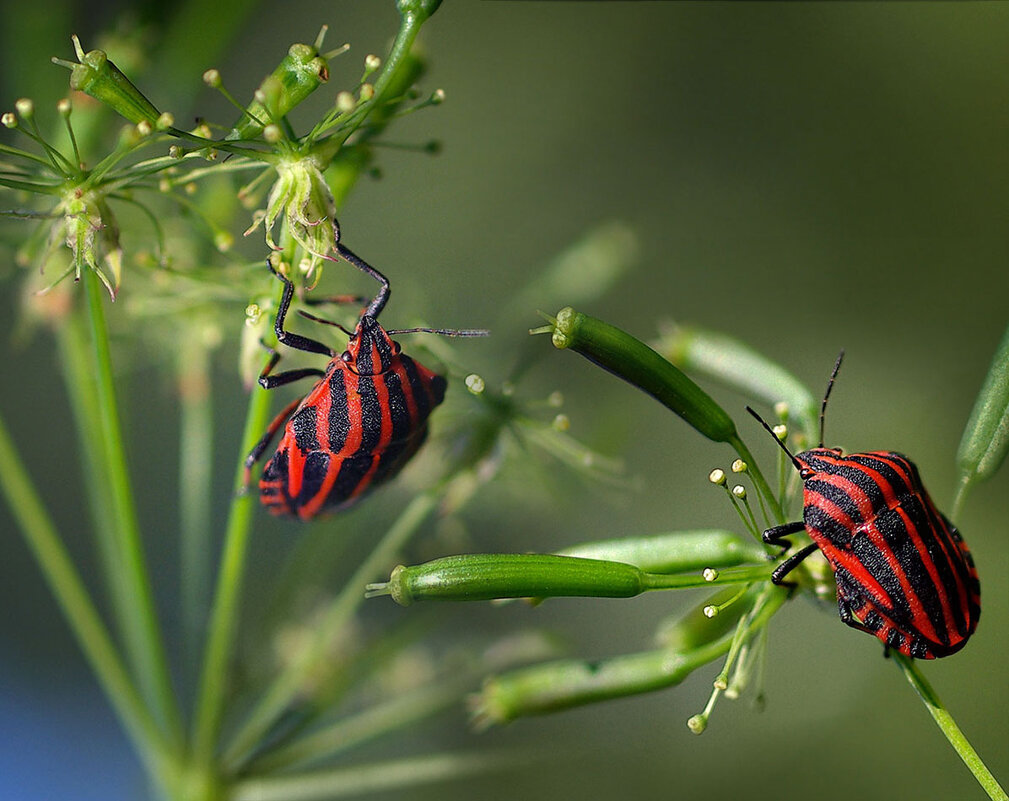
[635, 362]
[676, 552]
[985, 439]
[738, 366]
[483, 577]
[99, 78]
[299, 73]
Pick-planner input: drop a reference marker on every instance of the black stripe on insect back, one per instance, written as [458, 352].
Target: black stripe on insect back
[837, 496]
[399, 411]
[303, 423]
[875, 562]
[820, 521]
[863, 480]
[420, 396]
[900, 481]
[371, 414]
[339, 422]
[901, 541]
[353, 469]
[313, 476]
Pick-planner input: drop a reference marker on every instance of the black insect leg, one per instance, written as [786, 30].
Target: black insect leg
[296, 341]
[268, 381]
[777, 535]
[257, 452]
[792, 562]
[379, 301]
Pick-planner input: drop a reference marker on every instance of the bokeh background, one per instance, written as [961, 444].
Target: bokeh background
[805, 177]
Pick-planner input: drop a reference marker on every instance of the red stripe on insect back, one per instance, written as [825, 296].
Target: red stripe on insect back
[933, 573]
[937, 530]
[845, 557]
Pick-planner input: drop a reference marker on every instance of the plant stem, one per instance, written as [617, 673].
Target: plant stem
[75, 360]
[945, 722]
[758, 478]
[372, 722]
[369, 778]
[286, 687]
[144, 646]
[195, 488]
[224, 619]
[80, 612]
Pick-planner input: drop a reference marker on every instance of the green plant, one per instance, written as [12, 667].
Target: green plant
[187, 295]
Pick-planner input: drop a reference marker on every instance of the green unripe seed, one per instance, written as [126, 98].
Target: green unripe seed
[630, 359]
[99, 78]
[484, 577]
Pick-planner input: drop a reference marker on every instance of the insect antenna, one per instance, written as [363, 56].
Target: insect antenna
[445, 332]
[324, 321]
[775, 438]
[830, 386]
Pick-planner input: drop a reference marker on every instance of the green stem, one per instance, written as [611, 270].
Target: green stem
[80, 612]
[75, 361]
[224, 617]
[196, 450]
[945, 722]
[372, 777]
[758, 478]
[287, 686]
[395, 714]
[144, 646]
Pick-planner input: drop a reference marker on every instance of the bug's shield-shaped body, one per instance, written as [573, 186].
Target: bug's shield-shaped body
[903, 572]
[358, 427]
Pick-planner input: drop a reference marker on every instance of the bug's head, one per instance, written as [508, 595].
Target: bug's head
[371, 349]
[816, 460]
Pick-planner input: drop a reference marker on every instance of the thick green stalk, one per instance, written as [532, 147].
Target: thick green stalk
[224, 617]
[75, 361]
[196, 450]
[944, 720]
[80, 612]
[286, 687]
[144, 645]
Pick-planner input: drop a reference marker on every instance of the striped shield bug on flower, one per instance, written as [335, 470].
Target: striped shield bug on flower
[359, 425]
[903, 572]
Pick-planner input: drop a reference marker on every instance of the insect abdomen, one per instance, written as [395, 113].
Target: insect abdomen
[902, 569]
[351, 433]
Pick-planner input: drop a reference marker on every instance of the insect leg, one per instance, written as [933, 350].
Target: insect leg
[296, 341]
[257, 452]
[791, 563]
[380, 299]
[777, 535]
[268, 381]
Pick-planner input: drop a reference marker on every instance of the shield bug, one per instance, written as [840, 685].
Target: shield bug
[904, 573]
[359, 425]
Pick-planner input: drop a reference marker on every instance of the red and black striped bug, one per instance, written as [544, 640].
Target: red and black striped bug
[359, 425]
[903, 571]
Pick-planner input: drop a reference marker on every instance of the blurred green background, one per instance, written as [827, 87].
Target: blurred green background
[805, 177]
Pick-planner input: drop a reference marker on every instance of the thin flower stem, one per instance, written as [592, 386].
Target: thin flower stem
[944, 720]
[196, 450]
[758, 478]
[80, 612]
[144, 645]
[409, 28]
[358, 780]
[742, 575]
[286, 687]
[372, 722]
[224, 617]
